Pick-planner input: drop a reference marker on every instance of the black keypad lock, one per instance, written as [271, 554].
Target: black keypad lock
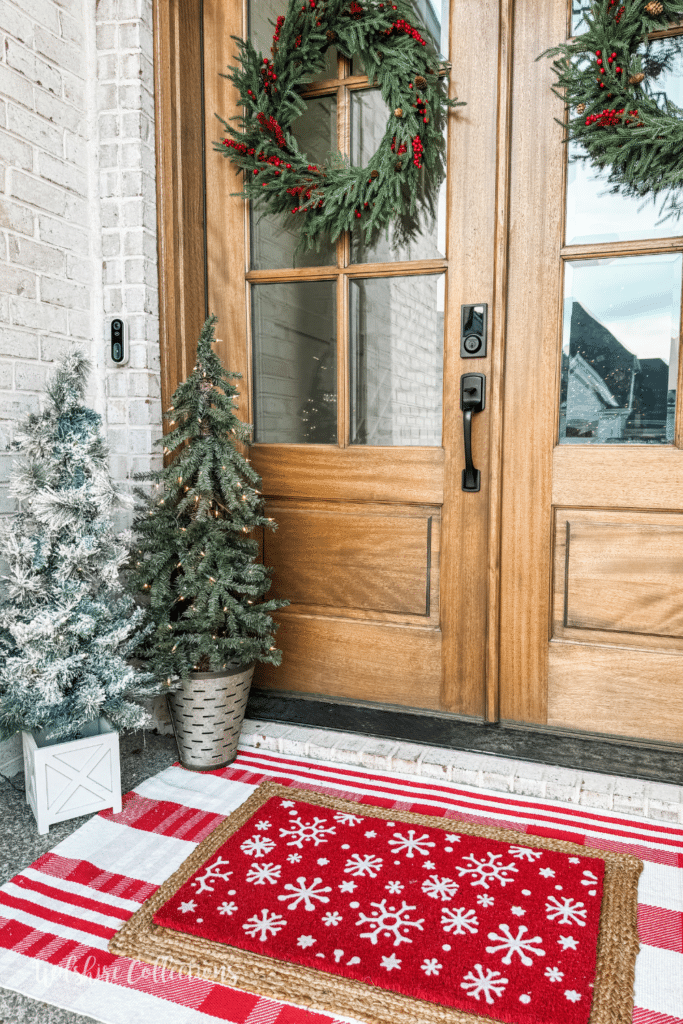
[473, 326]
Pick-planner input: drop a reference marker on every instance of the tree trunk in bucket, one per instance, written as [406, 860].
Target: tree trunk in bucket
[207, 713]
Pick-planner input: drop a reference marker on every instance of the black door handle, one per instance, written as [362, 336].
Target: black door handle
[472, 399]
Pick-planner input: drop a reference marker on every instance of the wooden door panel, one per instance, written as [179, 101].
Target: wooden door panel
[368, 559]
[618, 578]
[640, 477]
[616, 690]
[365, 661]
[322, 472]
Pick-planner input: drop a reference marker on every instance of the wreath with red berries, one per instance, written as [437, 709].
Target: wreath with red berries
[402, 178]
[624, 122]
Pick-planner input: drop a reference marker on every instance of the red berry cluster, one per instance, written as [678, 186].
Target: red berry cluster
[401, 149]
[418, 150]
[404, 26]
[278, 28]
[239, 146]
[610, 118]
[269, 124]
[618, 11]
[268, 73]
[303, 193]
[356, 11]
[422, 109]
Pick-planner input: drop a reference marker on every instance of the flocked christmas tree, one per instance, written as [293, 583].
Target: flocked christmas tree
[195, 556]
[67, 625]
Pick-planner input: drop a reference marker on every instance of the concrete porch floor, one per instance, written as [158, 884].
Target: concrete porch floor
[145, 754]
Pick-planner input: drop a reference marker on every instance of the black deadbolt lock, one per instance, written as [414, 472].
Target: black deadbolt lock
[473, 324]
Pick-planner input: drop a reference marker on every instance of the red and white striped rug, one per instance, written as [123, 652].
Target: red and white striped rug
[57, 916]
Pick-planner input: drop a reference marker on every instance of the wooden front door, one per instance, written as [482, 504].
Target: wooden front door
[550, 597]
[351, 363]
[592, 541]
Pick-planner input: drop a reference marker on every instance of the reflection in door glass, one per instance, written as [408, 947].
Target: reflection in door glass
[620, 350]
[273, 245]
[368, 124]
[431, 16]
[594, 214]
[294, 329]
[579, 9]
[396, 360]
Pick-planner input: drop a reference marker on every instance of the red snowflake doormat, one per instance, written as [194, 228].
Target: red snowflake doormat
[392, 916]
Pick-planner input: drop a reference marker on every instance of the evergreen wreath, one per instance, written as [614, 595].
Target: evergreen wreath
[403, 176]
[604, 77]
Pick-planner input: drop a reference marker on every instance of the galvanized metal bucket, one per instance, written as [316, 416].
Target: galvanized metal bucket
[207, 713]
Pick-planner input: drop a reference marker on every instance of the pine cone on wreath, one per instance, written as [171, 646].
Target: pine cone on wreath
[581, 108]
[420, 82]
[653, 8]
[636, 79]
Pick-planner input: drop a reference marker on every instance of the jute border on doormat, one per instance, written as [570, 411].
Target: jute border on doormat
[172, 951]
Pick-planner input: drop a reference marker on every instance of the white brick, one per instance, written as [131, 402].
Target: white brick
[43, 12]
[17, 281]
[347, 748]
[70, 29]
[38, 316]
[52, 349]
[15, 86]
[16, 217]
[436, 762]
[18, 343]
[78, 269]
[106, 36]
[111, 243]
[40, 194]
[465, 768]
[74, 91]
[36, 255]
[562, 784]
[64, 235]
[35, 69]
[596, 790]
[60, 113]
[6, 382]
[33, 129]
[407, 758]
[377, 753]
[15, 406]
[58, 51]
[80, 324]
[64, 293]
[14, 23]
[61, 173]
[29, 377]
[497, 773]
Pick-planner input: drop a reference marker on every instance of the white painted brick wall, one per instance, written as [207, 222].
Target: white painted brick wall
[78, 215]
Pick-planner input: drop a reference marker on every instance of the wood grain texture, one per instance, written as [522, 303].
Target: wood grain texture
[616, 690]
[360, 473]
[364, 558]
[472, 227]
[619, 580]
[618, 476]
[532, 362]
[225, 212]
[180, 203]
[399, 664]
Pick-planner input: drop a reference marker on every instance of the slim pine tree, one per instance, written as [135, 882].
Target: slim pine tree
[194, 558]
[67, 625]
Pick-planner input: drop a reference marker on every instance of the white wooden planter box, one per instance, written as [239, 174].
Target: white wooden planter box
[65, 780]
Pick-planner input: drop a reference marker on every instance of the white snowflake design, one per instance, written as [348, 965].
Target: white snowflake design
[267, 924]
[554, 974]
[485, 901]
[524, 853]
[212, 874]
[227, 908]
[518, 911]
[347, 819]
[388, 921]
[332, 918]
[187, 908]
[566, 912]
[567, 942]
[410, 844]
[263, 825]
[305, 894]
[394, 887]
[304, 941]
[453, 838]
[571, 995]
[365, 865]
[487, 870]
[443, 889]
[459, 921]
[591, 880]
[546, 872]
[259, 874]
[286, 803]
[515, 944]
[257, 846]
[307, 832]
[431, 967]
[391, 963]
[294, 858]
[490, 984]
[347, 886]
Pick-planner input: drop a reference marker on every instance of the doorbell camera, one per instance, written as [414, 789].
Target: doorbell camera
[118, 342]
